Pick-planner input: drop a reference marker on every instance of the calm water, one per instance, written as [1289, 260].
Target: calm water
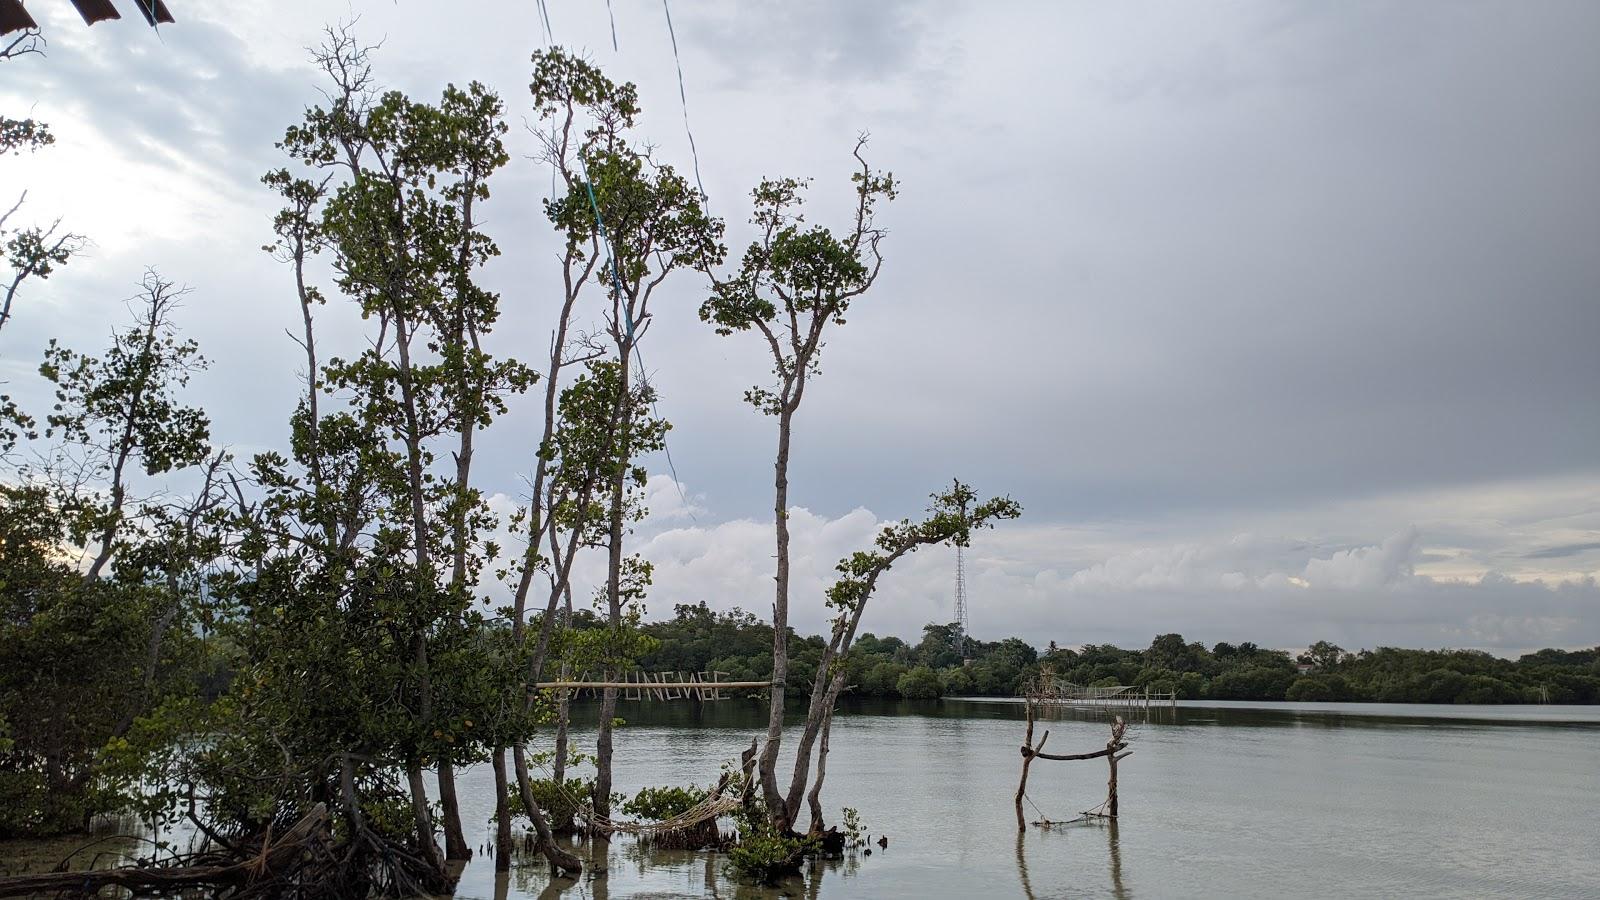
[1254, 800]
[1227, 800]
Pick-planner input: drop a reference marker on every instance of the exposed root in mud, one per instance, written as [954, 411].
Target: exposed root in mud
[306, 861]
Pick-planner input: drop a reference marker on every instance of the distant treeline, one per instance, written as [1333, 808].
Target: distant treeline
[697, 638]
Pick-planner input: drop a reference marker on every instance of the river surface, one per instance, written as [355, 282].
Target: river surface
[1218, 800]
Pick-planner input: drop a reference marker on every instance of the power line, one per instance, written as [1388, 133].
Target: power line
[605, 238]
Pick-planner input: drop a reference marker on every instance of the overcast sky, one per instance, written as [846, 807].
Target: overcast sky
[1281, 320]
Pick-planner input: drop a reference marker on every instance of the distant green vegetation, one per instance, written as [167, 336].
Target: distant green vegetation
[736, 642]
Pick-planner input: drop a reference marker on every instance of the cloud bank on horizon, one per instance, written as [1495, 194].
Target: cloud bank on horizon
[1112, 582]
[1279, 319]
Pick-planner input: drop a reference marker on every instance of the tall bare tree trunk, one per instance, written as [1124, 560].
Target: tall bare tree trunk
[623, 423]
[558, 766]
[502, 813]
[455, 841]
[424, 572]
[1027, 761]
[782, 817]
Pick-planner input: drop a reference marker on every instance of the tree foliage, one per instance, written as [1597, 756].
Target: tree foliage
[101, 598]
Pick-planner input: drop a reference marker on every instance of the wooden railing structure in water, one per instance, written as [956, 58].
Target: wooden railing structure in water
[1053, 690]
[703, 686]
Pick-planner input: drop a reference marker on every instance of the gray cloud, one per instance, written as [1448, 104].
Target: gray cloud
[1562, 552]
[1319, 273]
[837, 41]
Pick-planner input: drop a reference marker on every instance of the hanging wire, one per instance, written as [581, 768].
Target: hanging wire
[155, 19]
[544, 20]
[605, 238]
[683, 96]
[666, 449]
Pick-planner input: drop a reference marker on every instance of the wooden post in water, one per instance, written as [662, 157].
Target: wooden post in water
[1114, 745]
[1029, 751]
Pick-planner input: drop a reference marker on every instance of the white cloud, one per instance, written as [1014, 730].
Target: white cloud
[1367, 567]
[1037, 581]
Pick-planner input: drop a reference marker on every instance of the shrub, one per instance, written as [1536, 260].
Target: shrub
[1191, 685]
[662, 803]
[561, 803]
[767, 856]
[854, 833]
[1252, 683]
[1309, 689]
[955, 681]
[918, 684]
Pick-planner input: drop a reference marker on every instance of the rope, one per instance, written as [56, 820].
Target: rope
[627, 316]
[611, 256]
[1045, 821]
[1035, 806]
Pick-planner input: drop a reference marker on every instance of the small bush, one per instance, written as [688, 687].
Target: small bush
[560, 803]
[767, 856]
[854, 832]
[662, 803]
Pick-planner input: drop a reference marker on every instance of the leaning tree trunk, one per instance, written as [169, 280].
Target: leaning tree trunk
[559, 858]
[815, 797]
[455, 841]
[422, 816]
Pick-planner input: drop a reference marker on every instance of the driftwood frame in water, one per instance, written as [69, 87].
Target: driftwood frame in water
[1114, 752]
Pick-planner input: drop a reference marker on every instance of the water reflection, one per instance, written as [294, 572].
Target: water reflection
[619, 868]
[1217, 802]
[1104, 827]
[1114, 844]
[1022, 865]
